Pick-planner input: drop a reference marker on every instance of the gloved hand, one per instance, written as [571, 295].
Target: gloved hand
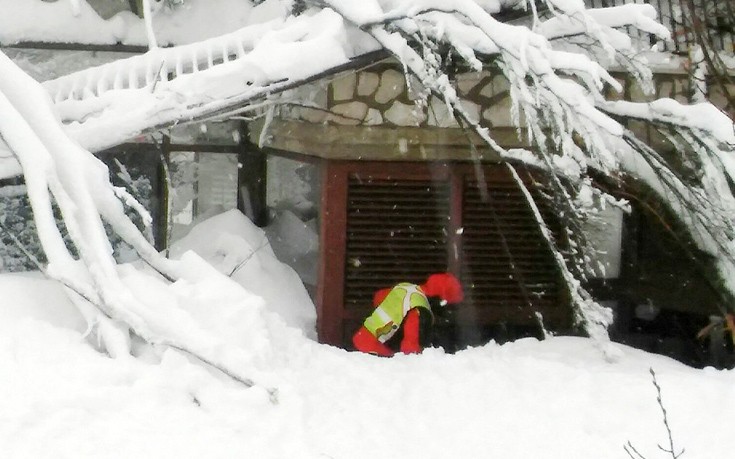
[365, 341]
[411, 343]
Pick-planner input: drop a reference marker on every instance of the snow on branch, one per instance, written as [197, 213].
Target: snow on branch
[705, 117]
[641, 16]
[594, 318]
[58, 169]
[526, 56]
[557, 98]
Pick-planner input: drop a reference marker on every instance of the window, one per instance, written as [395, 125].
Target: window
[404, 221]
[202, 185]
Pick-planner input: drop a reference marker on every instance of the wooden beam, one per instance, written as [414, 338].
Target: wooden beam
[57, 46]
[252, 182]
[332, 242]
[382, 143]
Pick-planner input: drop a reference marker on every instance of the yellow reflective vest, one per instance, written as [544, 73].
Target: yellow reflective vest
[386, 319]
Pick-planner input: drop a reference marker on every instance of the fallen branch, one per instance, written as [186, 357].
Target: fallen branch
[91, 298]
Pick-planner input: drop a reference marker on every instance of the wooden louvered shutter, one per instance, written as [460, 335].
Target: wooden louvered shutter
[404, 222]
[396, 231]
[507, 267]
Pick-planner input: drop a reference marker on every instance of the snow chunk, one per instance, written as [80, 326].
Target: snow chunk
[241, 250]
[39, 299]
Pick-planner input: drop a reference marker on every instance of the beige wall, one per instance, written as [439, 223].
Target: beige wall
[375, 114]
[380, 96]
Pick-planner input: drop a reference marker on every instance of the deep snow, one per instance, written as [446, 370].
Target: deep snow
[558, 398]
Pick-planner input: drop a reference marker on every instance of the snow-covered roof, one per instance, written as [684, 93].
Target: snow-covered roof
[75, 21]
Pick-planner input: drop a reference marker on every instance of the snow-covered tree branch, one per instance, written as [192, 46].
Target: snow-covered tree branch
[556, 96]
[57, 168]
[558, 93]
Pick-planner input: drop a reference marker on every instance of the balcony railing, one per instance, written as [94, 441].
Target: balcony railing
[713, 22]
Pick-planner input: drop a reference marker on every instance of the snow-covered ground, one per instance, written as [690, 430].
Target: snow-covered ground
[62, 398]
[559, 398]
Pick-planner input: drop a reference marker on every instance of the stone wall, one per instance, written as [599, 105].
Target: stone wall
[380, 96]
[375, 114]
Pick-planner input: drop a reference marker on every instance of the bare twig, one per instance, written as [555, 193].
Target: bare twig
[22, 247]
[159, 76]
[630, 449]
[671, 450]
[263, 243]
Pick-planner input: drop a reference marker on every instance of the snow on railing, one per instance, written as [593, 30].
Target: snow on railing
[159, 64]
[166, 64]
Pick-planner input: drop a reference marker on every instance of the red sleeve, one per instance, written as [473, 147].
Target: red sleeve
[410, 343]
[380, 295]
[364, 341]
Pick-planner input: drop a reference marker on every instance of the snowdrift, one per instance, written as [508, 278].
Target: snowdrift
[558, 398]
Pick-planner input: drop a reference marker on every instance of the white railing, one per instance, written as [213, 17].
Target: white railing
[160, 64]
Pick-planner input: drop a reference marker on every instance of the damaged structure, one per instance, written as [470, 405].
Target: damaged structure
[367, 182]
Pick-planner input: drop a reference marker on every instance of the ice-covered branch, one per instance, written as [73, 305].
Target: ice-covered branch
[641, 16]
[591, 315]
[704, 117]
[58, 169]
[558, 97]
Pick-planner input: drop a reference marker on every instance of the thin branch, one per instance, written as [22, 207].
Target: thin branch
[630, 449]
[22, 248]
[671, 448]
[159, 76]
[717, 68]
[263, 244]
[323, 110]
[79, 290]
[95, 301]
[577, 293]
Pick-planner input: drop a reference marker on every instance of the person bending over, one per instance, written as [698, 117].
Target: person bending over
[406, 307]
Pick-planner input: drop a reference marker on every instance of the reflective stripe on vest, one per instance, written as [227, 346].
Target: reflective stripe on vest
[387, 318]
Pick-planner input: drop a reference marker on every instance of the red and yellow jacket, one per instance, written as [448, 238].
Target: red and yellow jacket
[395, 307]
